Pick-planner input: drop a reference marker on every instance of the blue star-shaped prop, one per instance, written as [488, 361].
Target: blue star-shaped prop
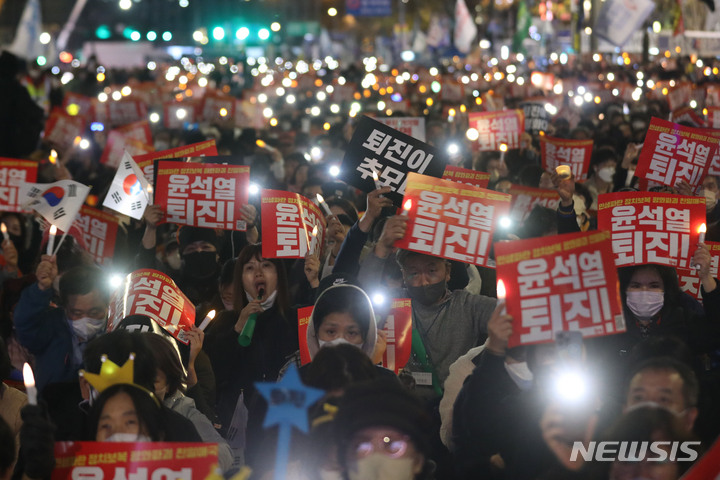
[288, 401]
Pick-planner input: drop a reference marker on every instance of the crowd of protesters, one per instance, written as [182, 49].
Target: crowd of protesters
[465, 406]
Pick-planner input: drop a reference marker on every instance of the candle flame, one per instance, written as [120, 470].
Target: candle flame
[53, 157]
[211, 314]
[315, 231]
[319, 198]
[28, 377]
[260, 143]
[503, 147]
[702, 228]
[77, 141]
[407, 205]
[501, 292]
[53, 230]
[375, 175]
[150, 189]
[3, 228]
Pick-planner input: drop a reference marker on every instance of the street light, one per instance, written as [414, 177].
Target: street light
[332, 11]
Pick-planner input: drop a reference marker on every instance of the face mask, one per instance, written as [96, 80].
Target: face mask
[428, 294]
[381, 467]
[710, 199]
[88, 328]
[645, 304]
[128, 437]
[606, 174]
[201, 264]
[335, 342]
[268, 303]
[174, 261]
[520, 374]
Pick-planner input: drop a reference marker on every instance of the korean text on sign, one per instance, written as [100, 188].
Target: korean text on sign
[392, 155]
[202, 194]
[495, 128]
[468, 177]
[13, 174]
[99, 230]
[574, 153]
[656, 228]
[288, 222]
[689, 278]
[672, 153]
[146, 162]
[451, 220]
[398, 330]
[560, 283]
[524, 199]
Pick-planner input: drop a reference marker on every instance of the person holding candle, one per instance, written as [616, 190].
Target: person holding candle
[8, 257]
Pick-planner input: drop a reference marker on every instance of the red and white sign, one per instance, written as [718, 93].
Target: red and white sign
[153, 294]
[135, 138]
[202, 194]
[466, 176]
[679, 96]
[525, 198]
[713, 117]
[413, 126]
[138, 461]
[560, 283]
[450, 220]
[398, 329]
[121, 112]
[146, 162]
[288, 222]
[99, 230]
[646, 227]
[688, 277]
[13, 174]
[672, 152]
[61, 128]
[495, 128]
[715, 160]
[574, 153]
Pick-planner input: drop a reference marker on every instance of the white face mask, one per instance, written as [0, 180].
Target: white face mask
[606, 174]
[174, 261]
[268, 303]
[128, 437]
[520, 374]
[334, 342]
[377, 466]
[645, 304]
[87, 328]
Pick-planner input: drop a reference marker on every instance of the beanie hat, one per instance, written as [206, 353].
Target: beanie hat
[381, 403]
[188, 235]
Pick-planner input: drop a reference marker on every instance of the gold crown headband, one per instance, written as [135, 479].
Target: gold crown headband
[112, 374]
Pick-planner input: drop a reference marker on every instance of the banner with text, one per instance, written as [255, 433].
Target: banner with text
[688, 276]
[574, 153]
[202, 194]
[375, 147]
[121, 112]
[154, 294]
[61, 128]
[537, 117]
[146, 162]
[413, 126]
[646, 227]
[466, 176]
[452, 220]
[289, 223]
[134, 138]
[673, 152]
[524, 199]
[496, 128]
[560, 283]
[13, 174]
[99, 230]
[141, 460]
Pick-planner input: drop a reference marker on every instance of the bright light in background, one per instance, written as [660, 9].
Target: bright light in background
[152, 36]
[263, 34]
[116, 96]
[505, 222]
[97, 127]
[181, 113]
[183, 3]
[102, 96]
[315, 111]
[275, 27]
[154, 117]
[167, 36]
[316, 153]
[66, 78]
[332, 11]
[115, 280]
[126, 90]
[453, 149]
[407, 56]
[218, 33]
[242, 33]
[267, 112]
[254, 189]
[334, 171]
[378, 298]
[41, 61]
[135, 36]
[656, 26]
[198, 36]
[84, 144]
[45, 38]
[571, 386]
[472, 134]
[125, 4]
[335, 108]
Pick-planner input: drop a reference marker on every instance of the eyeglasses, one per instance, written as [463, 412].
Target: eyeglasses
[392, 447]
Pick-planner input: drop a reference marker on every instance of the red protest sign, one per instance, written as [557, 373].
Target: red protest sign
[146, 162]
[495, 128]
[84, 104]
[202, 194]
[121, 460]
[99, 230]
[135, 138]
[525, 198]
[303, 322]
[559, 151]
[451, 220]
[61, 128]
[154, 294]
[707, 467]
[560, 283]
[672, 152]
[13, 174]
[466, 176]
[288, 222]
[688, 116]
[647, 227]
[398, 328]
[688, 276]
[121, 112]
[713, 116]
[679, 95]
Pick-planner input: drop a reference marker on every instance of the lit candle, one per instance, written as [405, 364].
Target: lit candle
[407, 205]
[501, 292]
[701, 230]
[3, 228]
[322, 203]
[314, 235]
[376, 179]
[53, 157]
[503, 149]
[564, 171]
[29, 380]
[207, 319]
[260, 143]
[51, 240]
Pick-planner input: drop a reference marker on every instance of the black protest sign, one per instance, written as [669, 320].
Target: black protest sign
[391, 154]
[536, 117]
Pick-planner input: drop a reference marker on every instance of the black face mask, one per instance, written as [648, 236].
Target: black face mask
[428, 294]
[200, 265]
